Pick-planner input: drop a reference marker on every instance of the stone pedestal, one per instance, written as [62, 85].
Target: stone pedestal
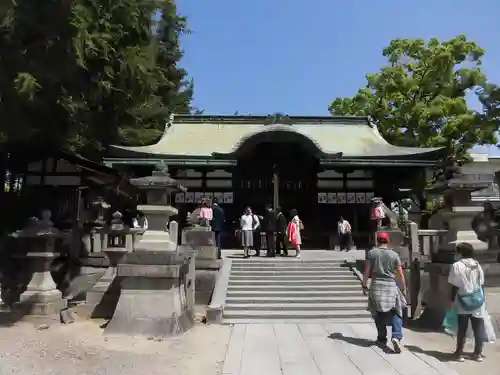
[157, 296]
[437, 297]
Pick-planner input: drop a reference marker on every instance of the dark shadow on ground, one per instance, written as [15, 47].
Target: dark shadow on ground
[440, 356]
[357, 341]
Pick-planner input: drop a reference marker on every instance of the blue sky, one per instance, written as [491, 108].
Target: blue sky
[296, 56]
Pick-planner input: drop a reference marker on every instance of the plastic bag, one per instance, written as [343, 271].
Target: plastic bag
[450, 322]
[489, 330]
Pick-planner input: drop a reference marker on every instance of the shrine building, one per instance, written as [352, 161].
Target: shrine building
[325, 167]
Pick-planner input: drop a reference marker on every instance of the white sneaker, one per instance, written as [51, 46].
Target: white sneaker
[396, 344]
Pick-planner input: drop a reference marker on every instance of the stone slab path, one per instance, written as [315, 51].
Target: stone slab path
[325, 349]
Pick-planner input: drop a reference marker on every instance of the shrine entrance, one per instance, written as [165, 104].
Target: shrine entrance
[278, 173]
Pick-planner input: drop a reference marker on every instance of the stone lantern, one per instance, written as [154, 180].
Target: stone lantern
[100, 208]
[158, 210]
[39, 239]
[458, 215]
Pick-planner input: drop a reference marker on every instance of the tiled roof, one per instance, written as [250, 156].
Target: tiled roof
[204, 136]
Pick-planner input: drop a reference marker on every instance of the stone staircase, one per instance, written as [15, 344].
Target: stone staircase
[262, 290]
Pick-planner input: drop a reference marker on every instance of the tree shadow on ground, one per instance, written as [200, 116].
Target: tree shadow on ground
[440, 356]
[358, 341]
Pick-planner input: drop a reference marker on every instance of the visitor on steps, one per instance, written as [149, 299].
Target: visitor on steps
[248, 223]
[293, 231]
[467, 294]
[345, 236]
[206, 213]
[218, 220]
[386, 300]
[269, 225]
[281, 240]
[257, 239]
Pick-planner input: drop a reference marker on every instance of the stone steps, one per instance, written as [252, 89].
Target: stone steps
[297, 306]
[325, 299]
[298, 321]
[290, 290]
[284, 293]
[278, 315]
[294, 281]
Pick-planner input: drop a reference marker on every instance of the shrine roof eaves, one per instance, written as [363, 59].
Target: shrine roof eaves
[209, 136]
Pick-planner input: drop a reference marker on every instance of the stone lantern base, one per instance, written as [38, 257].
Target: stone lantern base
[157, 296]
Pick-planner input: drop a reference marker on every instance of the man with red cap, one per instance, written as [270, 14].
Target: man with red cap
[386, 300]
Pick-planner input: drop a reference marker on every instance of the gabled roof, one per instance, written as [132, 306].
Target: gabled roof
[193, 136]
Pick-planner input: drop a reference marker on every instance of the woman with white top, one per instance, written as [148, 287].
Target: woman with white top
[248, 223]
[467, 281]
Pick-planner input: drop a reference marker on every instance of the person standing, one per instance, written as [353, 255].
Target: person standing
[247, 227]
[257, 240]
[269, 226]
[467, 294]
[206, 214]
[345, 236]
[386, 301]
[281, 240]
[218, 220]
[294, 227]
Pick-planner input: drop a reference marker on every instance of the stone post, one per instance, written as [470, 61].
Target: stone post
[173, 230]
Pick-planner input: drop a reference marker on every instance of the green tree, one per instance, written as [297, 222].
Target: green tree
[80, 74]
[178, 93]
[419, 97]
[489, 96]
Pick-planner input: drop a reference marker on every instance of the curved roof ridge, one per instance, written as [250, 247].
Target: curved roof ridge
[274, 128]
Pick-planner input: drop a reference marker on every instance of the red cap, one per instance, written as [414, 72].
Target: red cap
[383, 236]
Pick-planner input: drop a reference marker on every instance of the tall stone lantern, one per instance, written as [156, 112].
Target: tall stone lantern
[457, 215]
[160, 234]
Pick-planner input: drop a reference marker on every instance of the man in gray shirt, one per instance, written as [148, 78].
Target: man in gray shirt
[386, 301]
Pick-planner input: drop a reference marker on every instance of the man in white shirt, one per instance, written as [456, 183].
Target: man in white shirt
[344, 230]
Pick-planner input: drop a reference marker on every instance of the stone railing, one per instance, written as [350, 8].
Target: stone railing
[423, 245]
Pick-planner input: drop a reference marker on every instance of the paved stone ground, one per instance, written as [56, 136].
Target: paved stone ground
[264, 349]
[331, 349]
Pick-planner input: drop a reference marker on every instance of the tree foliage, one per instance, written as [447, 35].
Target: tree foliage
[81, 74]
[419, 97]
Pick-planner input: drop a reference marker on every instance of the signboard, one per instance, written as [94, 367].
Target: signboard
[179, 198]
[332, 198]
[189, 197]
[322, 198]
[228, 198]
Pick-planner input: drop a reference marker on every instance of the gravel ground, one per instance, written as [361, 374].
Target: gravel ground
[81, 349]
